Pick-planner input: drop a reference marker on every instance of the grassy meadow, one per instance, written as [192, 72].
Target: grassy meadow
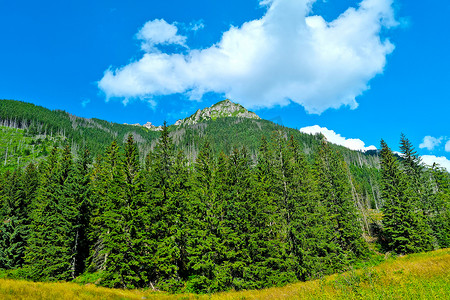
[417, 276]
[18, 149]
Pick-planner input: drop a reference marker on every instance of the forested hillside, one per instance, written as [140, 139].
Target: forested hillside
[94, 133]
[230, 203]
[224, 131]
[224, 127]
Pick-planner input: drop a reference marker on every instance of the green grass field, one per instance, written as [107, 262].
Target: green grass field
[417, 276]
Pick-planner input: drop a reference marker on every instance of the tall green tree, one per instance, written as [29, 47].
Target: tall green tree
[309, 226]
[134, 212]
[238, 209]
[13, 221]
[335, 194]
[405, 230]
[168, 191]
[50, 252]
[271, 216]
[81, 185]
[115, 189]
[414, 172]
[204, 245]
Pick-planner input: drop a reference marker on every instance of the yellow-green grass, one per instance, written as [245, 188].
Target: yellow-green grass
[417, 276]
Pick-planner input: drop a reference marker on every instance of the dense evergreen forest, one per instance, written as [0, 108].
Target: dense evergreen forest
[228, 219]
[38, 128]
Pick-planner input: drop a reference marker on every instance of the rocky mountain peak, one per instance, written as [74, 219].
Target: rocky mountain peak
[222, 109]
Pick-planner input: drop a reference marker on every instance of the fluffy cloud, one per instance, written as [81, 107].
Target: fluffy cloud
[159, 32]
[441, 160]
[335, 138]
[287, 55]
[430, 142]
[447, 146]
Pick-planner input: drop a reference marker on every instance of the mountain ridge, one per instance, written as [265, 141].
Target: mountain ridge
[222, 109]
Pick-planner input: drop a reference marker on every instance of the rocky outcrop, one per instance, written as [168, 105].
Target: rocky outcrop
[147, 125]
[150, 126]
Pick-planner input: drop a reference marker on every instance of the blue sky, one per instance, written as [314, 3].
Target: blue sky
[366, 69]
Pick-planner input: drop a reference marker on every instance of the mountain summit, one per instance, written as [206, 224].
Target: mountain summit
[222, 109]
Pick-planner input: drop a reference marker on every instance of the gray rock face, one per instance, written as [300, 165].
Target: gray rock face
[150, 126]
[222, 109]
[147, 125]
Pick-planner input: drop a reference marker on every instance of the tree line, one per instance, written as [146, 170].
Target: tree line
[221, 222]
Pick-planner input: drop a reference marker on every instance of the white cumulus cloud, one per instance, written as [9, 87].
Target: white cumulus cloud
[287, 55]
[441, 160]
[447, 146]
[335, 138]
[159, 32]
[430, 142]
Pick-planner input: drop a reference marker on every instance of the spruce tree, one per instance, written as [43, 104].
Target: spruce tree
[225, 233]
[81, 185]
[269, 247]
[419, 186]
[203, 244]
[167, 192]
[50, 252]
[405, 231]
[335, 194]
[238, 210]
[134, 212]
[112, 221]
[309, 227]
[13, 221]
[107, 194]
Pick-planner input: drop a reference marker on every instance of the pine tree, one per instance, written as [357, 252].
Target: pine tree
[269, 241]
[405, 231]
[203, 242]
[167, 192]
[335, 194]
[113, 230]
[414, 174]
[30, 180]
[309, 227]
[225, 233]
[419, 185]
[13, 222]
[81, 185]
[50, 251]
[133, 271]
[238, 209]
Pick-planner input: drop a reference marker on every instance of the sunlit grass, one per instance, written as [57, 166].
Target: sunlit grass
[418, 276]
